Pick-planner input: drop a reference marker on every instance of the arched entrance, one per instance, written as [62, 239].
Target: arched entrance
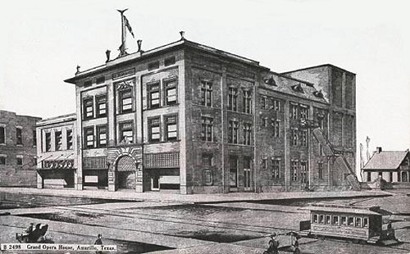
[125, 173]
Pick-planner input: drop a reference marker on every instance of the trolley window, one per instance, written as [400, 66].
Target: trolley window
[344, 220]
[358, 222]
[321, 219]
[315, 218]
[350, 221]
[335, 220]
[365, 222]
[328, 220]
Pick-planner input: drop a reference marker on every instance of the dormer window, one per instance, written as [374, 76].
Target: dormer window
[297, 88]
[270, 81]
[318, 94]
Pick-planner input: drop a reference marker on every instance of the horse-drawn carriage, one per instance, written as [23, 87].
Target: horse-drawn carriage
[34, 234]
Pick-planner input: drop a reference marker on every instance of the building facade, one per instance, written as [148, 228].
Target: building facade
[188, 117]
[17, 149]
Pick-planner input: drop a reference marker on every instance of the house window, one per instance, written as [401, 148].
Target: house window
[304, 113]
[101, 136]
[303, 134]
[58, 138]
[19, 160]
[48, 142]
[19, 136]
[206, 93]
[264, 121]
[207, 161]
[264, 164]
[87, 83]
[276, 105]
[100, 80]
[101, 105]
[154, 96]
[295, 137]
[69, 139]
[264, 104]
[89, 137]
[294, 170]
[369, 176]
[247, 101]
[303, 171]
[2, 135]
[275, 168]
[2, 160]
[247, 133]
[171, 93]
[320, 169]
[233, 171]
[126, 132]
[153, 65]
[88, 109]
[233, 99]
[293, 111]
[125, 97]
[276, 127]
[171, 129]
[169, 61]
[335, 220]
[233, 132]
[154, 129]
[207, 128]
[34, 138]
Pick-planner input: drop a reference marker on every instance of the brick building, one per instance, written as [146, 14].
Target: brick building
[17, 149]
[192, 118]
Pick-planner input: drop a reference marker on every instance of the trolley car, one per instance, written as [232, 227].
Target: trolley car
[360, 224]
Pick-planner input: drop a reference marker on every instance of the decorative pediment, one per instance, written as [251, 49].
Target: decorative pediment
[270, 81]
[126, 84]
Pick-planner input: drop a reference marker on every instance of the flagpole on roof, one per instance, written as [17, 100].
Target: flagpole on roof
[122, 48]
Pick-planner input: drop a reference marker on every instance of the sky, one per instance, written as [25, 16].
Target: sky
[43, 41]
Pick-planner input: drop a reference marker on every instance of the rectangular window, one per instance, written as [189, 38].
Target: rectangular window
[293, 111]
[264, 104]
[275, 168]
[247, 133]
[2, 160]
[207, 161]
[207, 128]
[294, 170]
[335, 220]
[88, 108]
[102, 136]
[125, 97]
[58, 138]
[315, 219]
[19, 136]
[100, 80]
[169, 61]
[303, 140]
[276, 105]
[295, 137]
[69, 139]
[19, 160]
[233, 171]
[153, 65]
[264, 164]
[304, 112]
[303, 172]
[344, 221]
[365, 222]
[320, 169]
[276, 127]
[154, 129]
[247, 101]
[206, 93]
[126, 133]
[87, 83]
[171, 93]
[358, 222]
[154, 96]
[321, 219]
[34, 138]
[233, 132]
[2, 135]
[48, 141]
[89, 137]
[264, 121]
[328, 219]
[350, 221]
[233, 99]
[101, 102]
[171, 128]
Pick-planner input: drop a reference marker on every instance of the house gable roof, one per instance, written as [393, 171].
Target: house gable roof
[386, 160]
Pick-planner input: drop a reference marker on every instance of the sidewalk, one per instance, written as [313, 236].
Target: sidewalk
[126, 195]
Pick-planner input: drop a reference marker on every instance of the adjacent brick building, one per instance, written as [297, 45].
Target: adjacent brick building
[192, 118]
[17, 149]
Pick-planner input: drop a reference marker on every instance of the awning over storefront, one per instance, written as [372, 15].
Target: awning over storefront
[57, 162]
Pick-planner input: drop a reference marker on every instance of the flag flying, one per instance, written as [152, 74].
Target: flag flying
[127, 24]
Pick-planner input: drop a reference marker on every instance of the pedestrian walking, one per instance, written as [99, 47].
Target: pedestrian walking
[98, 242]
[273, 247]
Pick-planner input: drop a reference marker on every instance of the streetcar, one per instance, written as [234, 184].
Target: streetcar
[358, 224]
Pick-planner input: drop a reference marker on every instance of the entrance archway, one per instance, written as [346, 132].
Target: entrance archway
[125, 171]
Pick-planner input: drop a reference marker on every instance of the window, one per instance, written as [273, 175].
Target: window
[276, 168]
[247, 101]
[276, 105]
[350, 221]
[303, 140]
[264, 104]
[154, 96]
[87, 83]
[126, 132]
[303, 171]
[321, 219]
[369, 176]
[304, 113]
[293, 111]
[48, 141]
[207, 128]
[169, 61]
[276, 127]
[34, 138]
[171, 130]
[264, 164]
[69, 139]
[207, 161]
[233, 132]
[335, 220]
[2, 160]
[247, 133]
[19, 136]
[88, 109]
[89, 137]
[125, 97]
[19, 160]
[358, 222]
[2, 135]
[171, 93]
[315, 219]
[294, 170]
[320, 169]
[101, 136]
[233, 99]
[154, 129]
[295, 137]
[264, 121]
[101, 102]
[365, 222]
[153, 65]
[100, 80]
[233, 169]
[58, 138]
[328, 219]
[206, 93]
[344, 221]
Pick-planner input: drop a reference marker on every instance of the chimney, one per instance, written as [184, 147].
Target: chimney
[182, 33]
[78, 70]
[378, 149]
[107, 54]
[139, 42]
